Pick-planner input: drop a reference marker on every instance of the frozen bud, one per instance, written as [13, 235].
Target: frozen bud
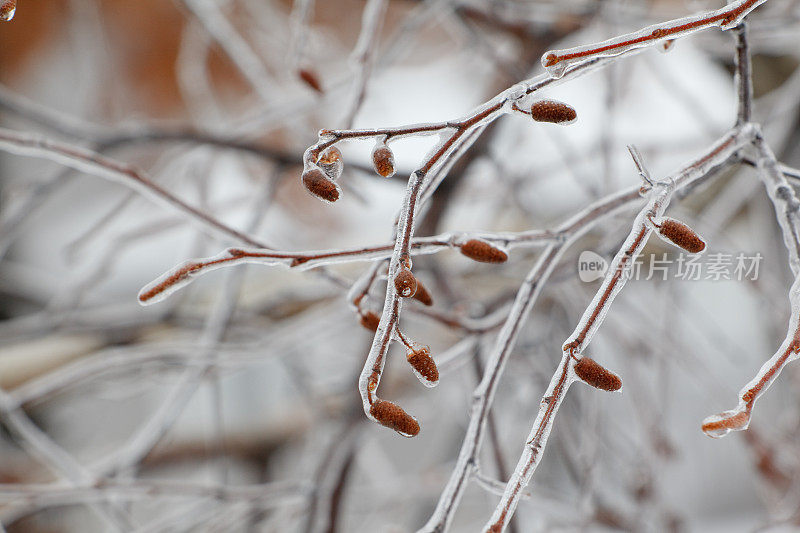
[405, 283]
[666, 46]
[424, 367]
[310, 78]
[320, 185]
[149, 293]
[7, 9]
[422, 295]
[681, 235]
[331, 162]
[383, 160]
[392, 416]
[716, 426]
[592, 373]
[370, 320]
[553, 111]
[483, 252]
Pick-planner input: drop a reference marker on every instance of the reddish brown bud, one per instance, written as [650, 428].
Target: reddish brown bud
[331, 162]
[681, 235]
[320, 185]
[370, 320]
[331, 155]
[595, 375]
[483, 252]
[405, 283]
[422, 295]
[7, 9]
[553, 111]
[383, 160]
[392, 416]
[424, 365]
[310, 78]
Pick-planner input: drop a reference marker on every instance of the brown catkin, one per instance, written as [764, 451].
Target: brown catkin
[422, 294]
[552, 111]
[383, 160]
[681, 235]
[592, 373]
[320, 185]
[421, 360]
[311, 79]
[370, 320]
[392, 416]
[405, 283]
[483, 252]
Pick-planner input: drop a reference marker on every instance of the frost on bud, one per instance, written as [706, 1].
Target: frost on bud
[592, 373]
[553, 111]
[424, 366]
[320, 185]
[392, 416]
[331, 162]
[422, 295]
[681, 235]
[405, 283]
[483, 252]
[383, 160]
[7, 9]
[370, 320]
[310, 78]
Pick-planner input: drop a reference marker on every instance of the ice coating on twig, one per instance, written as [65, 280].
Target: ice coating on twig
[594, 314]
[786, 205]
[562, 379]
[556, 61]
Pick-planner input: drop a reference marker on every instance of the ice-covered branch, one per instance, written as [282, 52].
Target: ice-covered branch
[614, 281]
[786, 206]
[556, 61]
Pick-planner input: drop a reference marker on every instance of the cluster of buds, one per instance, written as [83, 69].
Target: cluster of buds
[392, 415]
[408, 286]
[319, 177]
